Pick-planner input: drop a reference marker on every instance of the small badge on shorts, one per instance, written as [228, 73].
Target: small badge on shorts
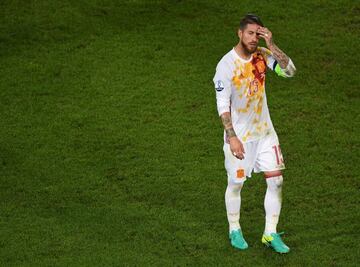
[240, 173]
[219, 86]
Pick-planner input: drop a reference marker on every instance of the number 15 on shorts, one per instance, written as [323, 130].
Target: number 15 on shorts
[279, 156]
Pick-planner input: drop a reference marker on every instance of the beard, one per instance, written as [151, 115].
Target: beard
[248, 49]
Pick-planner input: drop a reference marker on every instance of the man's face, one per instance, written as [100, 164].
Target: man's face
[249, 38]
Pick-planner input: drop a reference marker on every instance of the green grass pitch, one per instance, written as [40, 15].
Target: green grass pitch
[111, 147]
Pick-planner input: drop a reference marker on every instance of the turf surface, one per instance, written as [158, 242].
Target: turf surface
[111, 148]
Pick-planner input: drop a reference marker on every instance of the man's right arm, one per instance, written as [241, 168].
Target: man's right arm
[223, 95]
[236, 146]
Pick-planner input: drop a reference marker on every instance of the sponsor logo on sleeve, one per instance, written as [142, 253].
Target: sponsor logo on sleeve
[219, 86]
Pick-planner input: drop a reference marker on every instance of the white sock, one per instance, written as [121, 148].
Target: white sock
[233, 203]
[272, 203]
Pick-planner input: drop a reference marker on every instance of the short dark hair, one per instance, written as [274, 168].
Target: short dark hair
[250, 19]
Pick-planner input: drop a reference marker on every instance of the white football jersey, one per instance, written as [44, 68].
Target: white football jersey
[240, 89]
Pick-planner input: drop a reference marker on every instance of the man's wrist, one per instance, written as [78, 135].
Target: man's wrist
[233, 138]
[271, 45]
[230, 133]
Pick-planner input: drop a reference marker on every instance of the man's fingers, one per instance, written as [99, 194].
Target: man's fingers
[242, 149]
[237, 149]
[263, 32]
[263, 29]
[262, 35]
[240, 156]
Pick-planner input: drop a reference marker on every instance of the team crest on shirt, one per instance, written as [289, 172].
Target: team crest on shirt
[219, 86]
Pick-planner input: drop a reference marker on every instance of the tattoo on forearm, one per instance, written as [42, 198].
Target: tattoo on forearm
[280, 56]
[226, 121]
[230, 132]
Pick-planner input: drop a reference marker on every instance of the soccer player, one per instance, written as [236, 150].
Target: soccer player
[250, 141]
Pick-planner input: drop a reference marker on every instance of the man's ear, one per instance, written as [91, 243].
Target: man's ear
[239, 33]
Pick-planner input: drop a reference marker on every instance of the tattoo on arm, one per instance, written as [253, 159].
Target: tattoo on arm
[230, 132]
[279, 55]
[226, 121]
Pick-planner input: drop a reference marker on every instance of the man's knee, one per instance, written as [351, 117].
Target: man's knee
[275, 181]
[235, 187]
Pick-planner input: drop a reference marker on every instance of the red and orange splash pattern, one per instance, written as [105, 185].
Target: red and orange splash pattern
[249, 80]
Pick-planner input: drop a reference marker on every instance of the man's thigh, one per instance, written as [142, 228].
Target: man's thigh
[238, 170]
[269, 158]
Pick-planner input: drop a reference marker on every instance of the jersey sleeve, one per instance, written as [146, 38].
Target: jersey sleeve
[272, 64]
[222, 82]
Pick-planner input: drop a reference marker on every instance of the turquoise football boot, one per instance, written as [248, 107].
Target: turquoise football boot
[237, 240]
[274, 241]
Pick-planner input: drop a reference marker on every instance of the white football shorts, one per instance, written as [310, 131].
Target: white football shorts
[260, 156]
